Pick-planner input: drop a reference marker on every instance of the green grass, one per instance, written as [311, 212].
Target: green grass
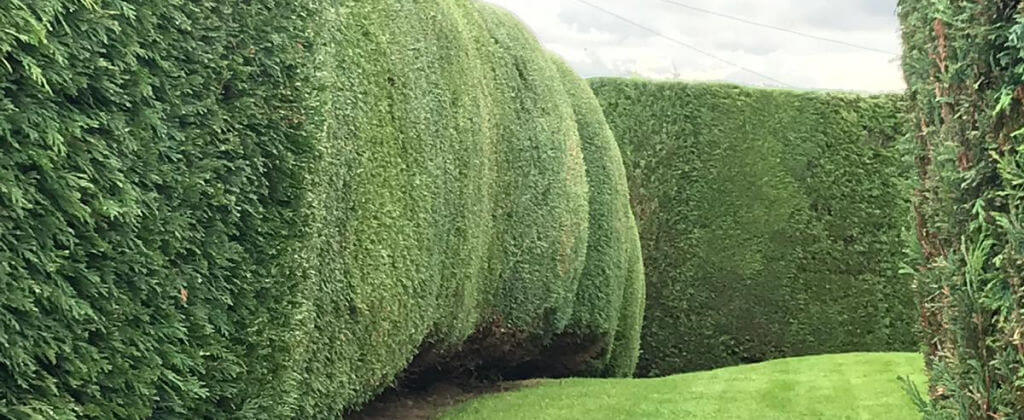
[842, 386]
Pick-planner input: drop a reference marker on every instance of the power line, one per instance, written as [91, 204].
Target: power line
[777, 28]
[686, 45]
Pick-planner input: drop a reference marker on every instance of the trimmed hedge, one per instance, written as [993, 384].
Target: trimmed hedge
[605, 304]
[542, 211]
[770, 221]
[149, 177]
[963, 64]
[267, 209]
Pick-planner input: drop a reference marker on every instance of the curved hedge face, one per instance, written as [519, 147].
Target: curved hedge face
[541, 217]
[610, 297]
[268, 209]
[770, 221]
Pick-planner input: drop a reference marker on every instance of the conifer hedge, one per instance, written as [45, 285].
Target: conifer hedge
[266, 209]
[770, 221]
[606, 305]
[964, 66]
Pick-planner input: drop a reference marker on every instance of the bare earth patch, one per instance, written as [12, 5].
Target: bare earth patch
[429, 403]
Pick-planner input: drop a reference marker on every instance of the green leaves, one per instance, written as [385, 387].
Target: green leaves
[266, 209]
[109, 205]
[609, 298]
[966, 102]
[771, 221]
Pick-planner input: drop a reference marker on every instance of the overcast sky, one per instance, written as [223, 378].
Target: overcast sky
[599, 44]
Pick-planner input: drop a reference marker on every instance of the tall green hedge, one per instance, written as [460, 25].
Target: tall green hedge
[266, 209]
[541, 213]
[149, 175]
[964, 66]
[610, 297]
[770, 221]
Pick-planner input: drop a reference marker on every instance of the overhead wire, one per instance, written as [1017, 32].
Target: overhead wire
[777, 28]
[686, 44]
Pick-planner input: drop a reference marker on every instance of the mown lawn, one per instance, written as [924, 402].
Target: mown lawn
[843, 386]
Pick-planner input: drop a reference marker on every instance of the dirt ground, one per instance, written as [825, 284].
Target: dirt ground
[430, 403]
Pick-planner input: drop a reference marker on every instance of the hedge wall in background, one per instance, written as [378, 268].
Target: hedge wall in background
[770, 221]
[267, 209]
[964, 65]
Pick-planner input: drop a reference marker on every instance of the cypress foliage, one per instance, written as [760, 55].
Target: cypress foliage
[267, 209]
[381, 231]
[770, 221]
[541, 218]
[964, 67]
[609, 298]
[147, 195]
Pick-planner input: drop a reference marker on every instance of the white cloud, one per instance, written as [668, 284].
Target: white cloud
[598, 44]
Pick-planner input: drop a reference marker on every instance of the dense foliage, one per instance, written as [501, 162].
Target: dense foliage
[964, 63]
[268, 208]
[606, 306]
[770, 221]
[149, 174]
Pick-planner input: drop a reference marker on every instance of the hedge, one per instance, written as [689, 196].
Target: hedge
[148, 183]
[267, 209]
[541, 217]
[606, 304]
[770, 221]
[963, 64]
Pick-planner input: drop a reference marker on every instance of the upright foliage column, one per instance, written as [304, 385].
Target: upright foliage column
[964, 62]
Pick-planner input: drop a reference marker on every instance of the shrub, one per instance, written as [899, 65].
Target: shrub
[267, 209]
[962, 61]
[541, 214]
[149, 180]
[610, 297]
[770, 221]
